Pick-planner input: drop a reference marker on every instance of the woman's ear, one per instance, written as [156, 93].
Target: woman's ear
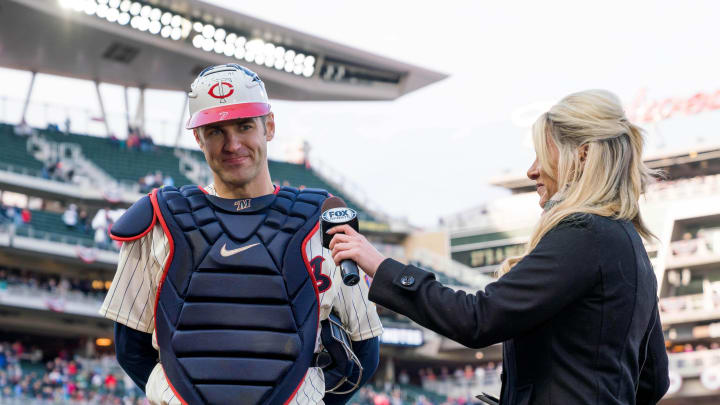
[583, 152]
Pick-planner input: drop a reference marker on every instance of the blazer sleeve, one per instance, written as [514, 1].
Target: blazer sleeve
[562, 267]
[654, 378]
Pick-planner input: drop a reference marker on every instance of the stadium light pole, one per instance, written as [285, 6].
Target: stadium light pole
[181, 124]
[102, 108]
[127, 112]
[140, 112]
[27, 97]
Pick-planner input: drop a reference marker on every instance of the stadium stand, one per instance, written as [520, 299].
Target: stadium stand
[52, 224]
[129, 164]
[402, 394]
[62, 379]
[14, 152]
[441, 277]
[122, 163]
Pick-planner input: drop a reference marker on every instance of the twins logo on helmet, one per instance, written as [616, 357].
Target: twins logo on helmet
[219, 85]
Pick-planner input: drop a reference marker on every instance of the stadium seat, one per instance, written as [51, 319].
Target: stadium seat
[49, 225]
[14, 151]
[126, 165]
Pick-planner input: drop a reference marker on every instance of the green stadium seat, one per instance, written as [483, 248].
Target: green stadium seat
[14, 151]
[127, 165]
[51, 227]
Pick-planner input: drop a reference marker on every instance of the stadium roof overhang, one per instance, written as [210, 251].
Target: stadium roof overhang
[62, 37]
[675, 164]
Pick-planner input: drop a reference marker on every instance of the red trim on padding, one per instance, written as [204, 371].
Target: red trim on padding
[309, 267]
[297, 388]
[317, 294]
[171, 244]
[182, 401]
[227, 113]
[132, 238]
[277, 189]
[203, 190]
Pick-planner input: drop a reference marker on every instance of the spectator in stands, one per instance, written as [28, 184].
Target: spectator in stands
[4, 213]
[133, 140]
[115, 141]
[146, 143]
[168, 181]
[686, 246]
[13, 214]
[70, 216]
[100, 223]
[403, 378]
[64, 380]
[49, 170]
[26, 216]
[158, 180]
[150, 181]
[143, 186]
[83, 224]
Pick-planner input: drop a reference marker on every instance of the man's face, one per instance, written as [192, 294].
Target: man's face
[236, 151]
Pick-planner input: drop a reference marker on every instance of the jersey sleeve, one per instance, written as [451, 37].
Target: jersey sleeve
[357, 313]
[131, 298]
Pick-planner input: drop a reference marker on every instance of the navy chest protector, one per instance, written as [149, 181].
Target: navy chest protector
[237, 313]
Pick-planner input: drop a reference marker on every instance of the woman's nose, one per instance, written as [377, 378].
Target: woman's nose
[534, 172]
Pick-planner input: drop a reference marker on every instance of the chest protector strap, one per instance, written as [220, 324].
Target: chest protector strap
[236, 314]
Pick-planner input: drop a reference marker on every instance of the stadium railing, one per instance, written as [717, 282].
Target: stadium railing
[71, 302]
[27, 238]
[692, 364]
[689, 308]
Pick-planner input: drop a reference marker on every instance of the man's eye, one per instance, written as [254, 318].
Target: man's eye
[246, 127]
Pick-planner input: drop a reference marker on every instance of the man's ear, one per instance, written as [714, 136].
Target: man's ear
[198, 138]
[270, 127]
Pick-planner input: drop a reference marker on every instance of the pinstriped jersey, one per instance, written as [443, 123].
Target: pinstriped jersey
[131, 299]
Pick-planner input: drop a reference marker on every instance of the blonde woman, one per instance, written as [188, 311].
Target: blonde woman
[577, 314]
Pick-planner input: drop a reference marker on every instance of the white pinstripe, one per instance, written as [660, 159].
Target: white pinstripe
[138, 288]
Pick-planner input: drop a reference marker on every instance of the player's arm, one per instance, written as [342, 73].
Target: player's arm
[135, 353]
[368, 352]
[359, 317]
[129, 302]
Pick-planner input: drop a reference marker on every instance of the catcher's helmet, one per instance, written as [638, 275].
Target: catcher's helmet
[226, 92]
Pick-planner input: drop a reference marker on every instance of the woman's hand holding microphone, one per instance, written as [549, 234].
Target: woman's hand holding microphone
[347, 243]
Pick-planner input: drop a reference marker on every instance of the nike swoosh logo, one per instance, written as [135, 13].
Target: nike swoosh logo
[227, 253]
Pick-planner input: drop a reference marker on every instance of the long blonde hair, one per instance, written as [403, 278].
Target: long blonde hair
[611, 177]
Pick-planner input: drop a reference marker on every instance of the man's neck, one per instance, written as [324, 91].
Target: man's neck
[261, 186]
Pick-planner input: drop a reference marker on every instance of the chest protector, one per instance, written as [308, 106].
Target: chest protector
[237, 311]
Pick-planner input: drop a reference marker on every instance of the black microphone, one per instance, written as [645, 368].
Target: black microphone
[335, 212]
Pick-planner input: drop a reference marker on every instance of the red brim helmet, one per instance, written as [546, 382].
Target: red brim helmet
[224, 93]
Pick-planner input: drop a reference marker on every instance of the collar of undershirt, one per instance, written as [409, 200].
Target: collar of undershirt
[238, 206]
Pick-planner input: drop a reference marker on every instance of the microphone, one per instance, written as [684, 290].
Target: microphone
[335, 212]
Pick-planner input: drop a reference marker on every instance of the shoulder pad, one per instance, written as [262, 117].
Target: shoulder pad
[136, 222]
[314, 191]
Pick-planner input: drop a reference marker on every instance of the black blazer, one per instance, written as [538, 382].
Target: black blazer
[578, 316]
